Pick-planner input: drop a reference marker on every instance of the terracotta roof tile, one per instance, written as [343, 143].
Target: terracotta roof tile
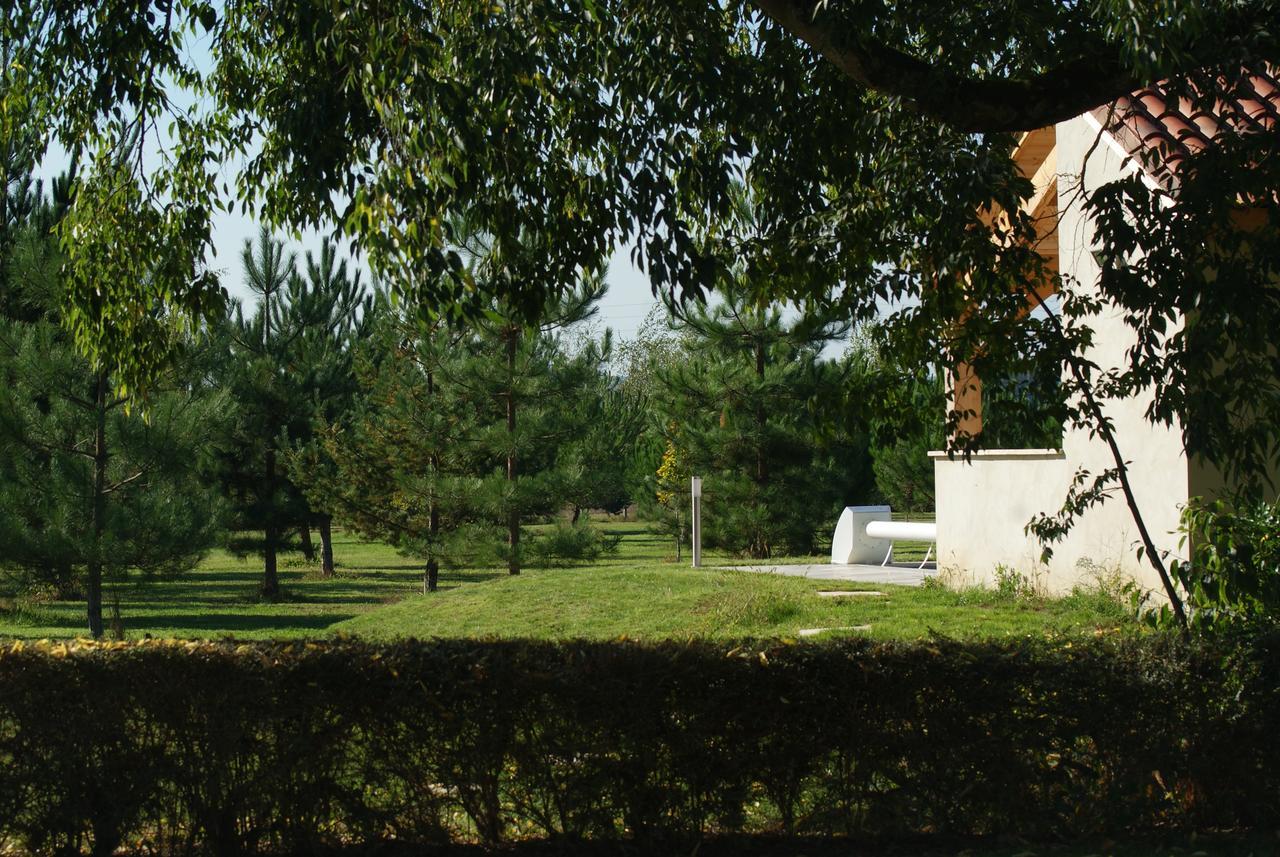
[1163, 124]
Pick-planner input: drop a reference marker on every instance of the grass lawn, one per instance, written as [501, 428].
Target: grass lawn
[637, 592]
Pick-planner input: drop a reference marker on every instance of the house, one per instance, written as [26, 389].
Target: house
[985, 503]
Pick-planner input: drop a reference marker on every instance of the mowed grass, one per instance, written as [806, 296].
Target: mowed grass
[639, 593]
[221, 597]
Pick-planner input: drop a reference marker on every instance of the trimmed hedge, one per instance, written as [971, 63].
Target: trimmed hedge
[226, 749]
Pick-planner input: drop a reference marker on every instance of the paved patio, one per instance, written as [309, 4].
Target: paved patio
[903, 574]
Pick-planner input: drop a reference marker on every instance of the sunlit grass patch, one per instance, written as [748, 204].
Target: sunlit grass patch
[638, 592]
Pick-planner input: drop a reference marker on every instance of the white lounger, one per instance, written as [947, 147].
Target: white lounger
[865, 536]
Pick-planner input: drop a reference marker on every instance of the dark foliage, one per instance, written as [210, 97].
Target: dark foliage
[227, 749]
[1233, 577]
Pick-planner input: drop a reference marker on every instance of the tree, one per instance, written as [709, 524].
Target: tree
[652, 470]
[285, 365]
[664, 501]
[336, 315]
[93, 484]
[749, 416]
[416, 146]
[26, 214]
[516, 376]
[252, 373]
[596, 123]
[609, 419]
[398, 465]
[909, 428]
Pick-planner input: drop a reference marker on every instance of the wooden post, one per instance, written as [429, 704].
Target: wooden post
[966, 400]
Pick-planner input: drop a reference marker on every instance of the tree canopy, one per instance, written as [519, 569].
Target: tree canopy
[588, 124]
[874, 138]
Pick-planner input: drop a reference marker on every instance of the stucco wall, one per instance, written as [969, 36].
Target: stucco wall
[985, 504]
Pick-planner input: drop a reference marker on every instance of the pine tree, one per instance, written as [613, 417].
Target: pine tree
[285, 365]
[915, 401]
[656, 474]
[400, 465]
[520, 384]
[609, 421]
[335, 313]
[26, 212]
[754, 412]
[748, 416]
[93, 483]
[252, 373]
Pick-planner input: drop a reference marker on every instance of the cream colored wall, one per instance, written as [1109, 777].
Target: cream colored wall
[985, 504]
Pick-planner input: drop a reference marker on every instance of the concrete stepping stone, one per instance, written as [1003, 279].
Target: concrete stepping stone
[813, 632]
[848, 593]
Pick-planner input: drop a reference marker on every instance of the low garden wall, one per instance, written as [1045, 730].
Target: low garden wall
[226, 749]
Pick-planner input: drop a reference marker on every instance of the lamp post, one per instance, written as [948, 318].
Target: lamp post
[696, 492]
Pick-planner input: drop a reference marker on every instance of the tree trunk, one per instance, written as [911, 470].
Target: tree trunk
[99, 522]
[326, 545]
[577, 513]
[762, 466]
[271, 534]
[308, 546]
[431, 579]
[270, 580]
[760, 550]
[513, 511]
[679, 531]
[431, 582]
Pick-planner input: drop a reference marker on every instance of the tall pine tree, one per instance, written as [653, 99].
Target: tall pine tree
[336, 314]
[94, 483]
[755, 414]
[284, 364]
[520, 384]
[750, 416]
[400, 465]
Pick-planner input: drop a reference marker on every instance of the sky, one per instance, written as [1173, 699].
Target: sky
[623, 308]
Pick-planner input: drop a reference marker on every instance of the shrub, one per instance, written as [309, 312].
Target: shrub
[564, 543]
[1234, 573]
[227, 749]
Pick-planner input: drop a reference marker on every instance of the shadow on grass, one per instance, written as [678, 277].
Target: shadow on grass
[365, 573]
[379, 567]
[473, 576]
[231, 623]
[48, 618]
[214, 580]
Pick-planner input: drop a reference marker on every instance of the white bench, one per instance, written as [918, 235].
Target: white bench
[865, 535]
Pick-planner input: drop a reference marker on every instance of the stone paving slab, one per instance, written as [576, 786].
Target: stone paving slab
[813, 632]
[903, 575]
[849, 593]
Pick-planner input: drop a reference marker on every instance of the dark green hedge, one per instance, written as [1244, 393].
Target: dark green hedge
[223, 748]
